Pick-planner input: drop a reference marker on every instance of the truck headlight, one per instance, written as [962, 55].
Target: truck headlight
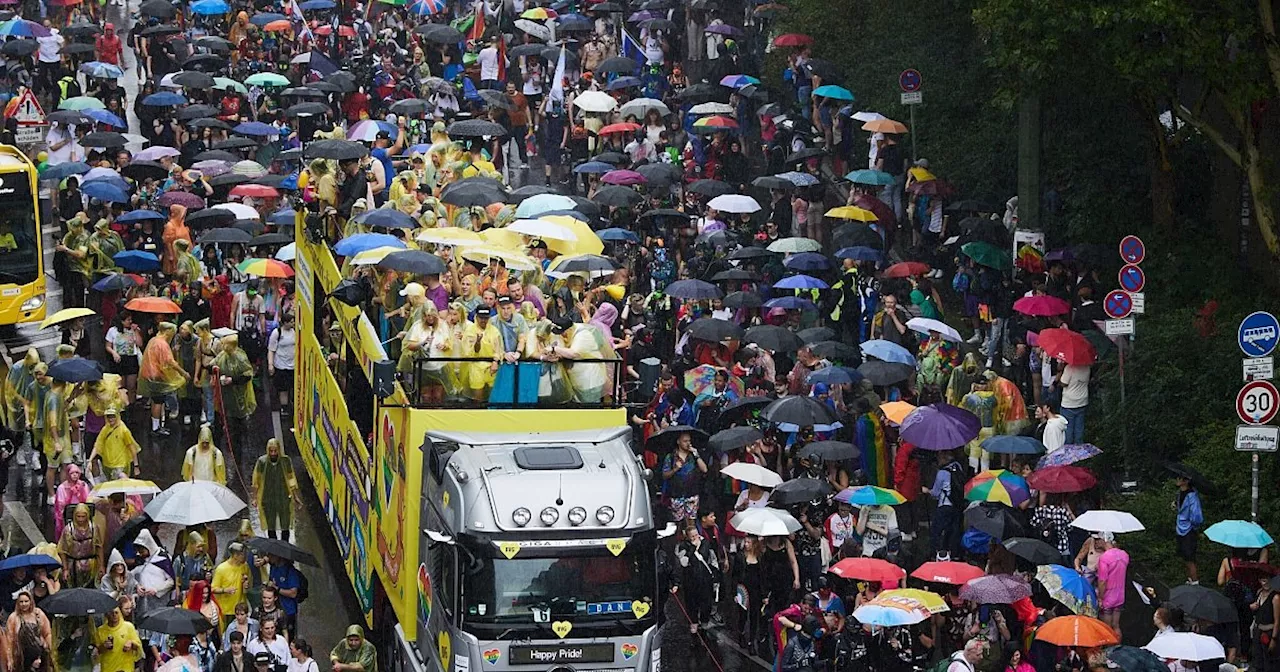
[604, 515]
[32, 303]
[577, 516]
[549, 516]
[521, 516]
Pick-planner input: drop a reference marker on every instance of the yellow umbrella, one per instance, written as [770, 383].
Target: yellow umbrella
[371, 257]
[449, 235]
[127, 486]
[65, 315]
[884, 126]
[922, 174]
[930, 602]
[504, 238]
[587, 241]
[853, 212]
[514, 260]
[896, 411]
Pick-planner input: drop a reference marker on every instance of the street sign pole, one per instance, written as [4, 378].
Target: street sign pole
[912, 121]
[910, 82]
[1253, 510]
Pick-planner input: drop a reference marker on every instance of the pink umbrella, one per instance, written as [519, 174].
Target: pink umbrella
[1041, 306]
[625, 178]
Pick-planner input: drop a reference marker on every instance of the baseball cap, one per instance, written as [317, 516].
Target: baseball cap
[262, 658]
[484, 311]
[413, 289]
[538, 245]
[502, 300]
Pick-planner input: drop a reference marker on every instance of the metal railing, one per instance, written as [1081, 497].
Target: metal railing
[475, 382]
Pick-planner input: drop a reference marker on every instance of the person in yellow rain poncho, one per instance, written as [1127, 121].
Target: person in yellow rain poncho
[428, 337]
[98, 396]
[56, 428]
[187, 267]
[160, 377]
[119, 646]
[480, 340]
[1011, 409]
[116, 448]
[324, 182]
[592, 340]
[275, 491]
[203, 461]
[231, 579]
[81, 549]
[238, 400]
[16, 386]
[104, 244]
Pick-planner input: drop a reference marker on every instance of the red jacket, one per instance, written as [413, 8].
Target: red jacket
[109, 48]
[906, 471]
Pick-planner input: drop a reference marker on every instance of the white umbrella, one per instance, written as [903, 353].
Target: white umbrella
[794, 245]
[735, 203]
[866, 116]
[924, 325]
[712, 108]
[535, 29]
[240, 210]
[537, 204]
[301, 58]
[1186, 646]
[1103, 520]
[194, 502]
[752, 473]
[538, 228]
[595, 101]
[287, 253]
[765, 522]
[640, 107]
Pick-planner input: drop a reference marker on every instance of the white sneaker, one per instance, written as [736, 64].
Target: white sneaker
[974, 339]
[22, 457]
[49, 500]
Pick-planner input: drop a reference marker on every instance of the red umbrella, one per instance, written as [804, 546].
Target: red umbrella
[792, 40]
[906, 269]
[1069, 346]
[621, 127]
[868, 569]
[1041, 306]
[954, 573]
[254, 191]
[1062, 479]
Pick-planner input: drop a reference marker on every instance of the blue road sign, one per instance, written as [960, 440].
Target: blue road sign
[1132, 250]
[1132, 279]
[1258, 334]
[1117, 305]
[910, 80]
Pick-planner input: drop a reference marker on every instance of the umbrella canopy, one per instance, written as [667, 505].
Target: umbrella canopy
[734, 438]
[595, 101]
[887, 351]
[869, 569]
[1035, 551]
[799, 491]
[800, 281]
[885, 373]
[949, 572]
[773, 338]
[125, 486]
[743, 300]
[137, 261]
[265, 268]
[66, 315]
[997, 485]
[1062, 479]
[1238, 534]
[829, 451]
[870, 495]
[353, 245]
[693, 290]
[995, 589]
[1069, 454]
[175, 620]
[78, 602]
[995, 520]
[896, 411]
[801, 411]
[1069, 587]
[987, 254]
[870, 177]
[714, 330]
[925, 325]
[157, 305]
[764, 522]
[940, 427]
[1013, 445]
[29, 560]
[1186, 646]
[1197, 479]
[1104, 520]
[752, 473]
[1042, 306]
[834, 375]
[877, 613]
[193, 503]
[1069, 346]
[906, 269]
[913, 597]
[75, 370]
[1082, 631]
[1133, 659]
[282, 549]
[737, 204]
[1204, 603]
[743, 407]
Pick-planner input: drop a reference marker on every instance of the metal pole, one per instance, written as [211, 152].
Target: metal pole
[1124, 418]
[914, 156]
[1254, 508]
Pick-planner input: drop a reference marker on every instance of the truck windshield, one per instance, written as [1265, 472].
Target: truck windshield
[584, 584]
[19, 257]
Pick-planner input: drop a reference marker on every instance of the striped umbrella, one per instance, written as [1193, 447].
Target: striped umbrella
[870, 495]
[265, 268]
[997, 485]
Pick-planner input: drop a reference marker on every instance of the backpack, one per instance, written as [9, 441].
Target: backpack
[945, 664]
[304, 588]
[958, 479]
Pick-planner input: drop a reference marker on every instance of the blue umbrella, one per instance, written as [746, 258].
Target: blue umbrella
[597, 167]
[834, 92]
[29, 560]
[113, 180]
[165, 99]
[140, 216]
[75, 370]
[624, 83]
[255, 128]
[285, 217]
[264, 18]
[790, 303]
[799, 179]
[870, 177]
[834, 375]
[104, 190]
[137, 261]
[888, 351]
[418, 149]
[210, 7]
[102, 70]
[1069, 587]
[105, 117]
[1013, 445]
[317, 5]
[387, 218]
[860, 254]
[64, 170]
[115, 282]
[800, 282]
[807, 261]
[353, 245]
[616, 234]
[1238, 534]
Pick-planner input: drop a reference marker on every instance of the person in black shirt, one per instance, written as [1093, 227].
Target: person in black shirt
[889, 159]
[355, 185]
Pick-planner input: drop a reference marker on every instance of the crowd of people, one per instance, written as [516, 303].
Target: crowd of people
[863, 397]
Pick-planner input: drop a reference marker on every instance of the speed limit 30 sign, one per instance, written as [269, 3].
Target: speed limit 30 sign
[1257, 402]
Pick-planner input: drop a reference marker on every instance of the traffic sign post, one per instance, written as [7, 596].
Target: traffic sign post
[1254, 439]
[1258, 334]
[31, 119]
[1132, 279]
[1259, 368]
[910, 81]
[1119, 327]
[1257, 402]
[1139, 302]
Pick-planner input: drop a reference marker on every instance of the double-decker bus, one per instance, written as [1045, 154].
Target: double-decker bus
[22, 279]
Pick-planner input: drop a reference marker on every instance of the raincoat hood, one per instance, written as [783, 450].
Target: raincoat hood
[115, 559]
[148, 542]
[356, 631]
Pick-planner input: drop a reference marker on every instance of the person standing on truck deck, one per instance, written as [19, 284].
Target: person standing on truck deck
[274, 488]
[354, 653]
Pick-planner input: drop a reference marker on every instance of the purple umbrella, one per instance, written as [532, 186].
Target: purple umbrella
[625, 178]
[1061, 254]
[183, 198]
[155, 153]
[1069, 454]
[940, 427]
[995, 589]
[644, 16]
[212, 167]
[723, 29]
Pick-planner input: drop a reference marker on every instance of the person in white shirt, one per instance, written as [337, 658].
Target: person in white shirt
[61, 141]
[876, 524]
[281, 348]
[488, 59]
[300, 659]
[270, 642]
[1055, 427]
[49, 59]
[1075, 399]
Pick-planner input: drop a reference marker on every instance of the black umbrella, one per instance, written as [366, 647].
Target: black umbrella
[410, 106]
[617, 196]
[665, 440]
[806, 154]
[325, 87]
[141, 170]
[774, 338]
[251, 226]
[269, 239]
[226, 235]
[307, 110]
[82, 29]
[801, 411]
[129, 531]
[439, 33]
[660, 24]
[836, 351]
[20, 47]
[857, 234]
[829, 451]
[419, 262]
[158, 8]
[69, 117]
[78, 602]
[193, 79]
[283, 549]
[174, 621]
[709, 188]
[823, 68]
[1033, 551]
[885, 373]
[734, 275]
[518, 195]
[714, 330]
[497, 99]
[1197, 479]
[664, 213]
[659, 174]
[750, 252]
[996, 520]
[78, 49]
[236, 142]
[302, 92]
[616, 158]
[523, 50]
[161, 30]
[213, 43]
[199, 111]
[211, 217]
[586, 263]
[204, 63]
[618, 64]
[742, 408]
[1204, 603]
[552, 55]
[473, 195]
[338, 150]
[217, 155]
[743, 300]
[734, 438]
[799, 491]
[108, 139]
[693, 290]
[343, 80]
[606, 7]
[475, 128]
[702, 92]
[772, 182]
[815, 334]
[228, 180]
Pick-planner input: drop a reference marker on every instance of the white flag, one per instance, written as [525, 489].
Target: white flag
[557, 83]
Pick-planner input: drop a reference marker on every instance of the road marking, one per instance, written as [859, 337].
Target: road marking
[18, 513]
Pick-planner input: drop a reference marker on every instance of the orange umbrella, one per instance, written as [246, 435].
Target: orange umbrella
[884, 126]
[153, 304]
[278, 26]
[1077, 631]
[896, 411]
[623, 127]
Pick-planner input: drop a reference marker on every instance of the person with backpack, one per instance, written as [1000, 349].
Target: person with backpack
[948, 491]
[964, 660]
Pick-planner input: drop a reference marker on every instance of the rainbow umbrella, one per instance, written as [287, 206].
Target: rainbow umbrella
[265, 268]
[701, 378]
[1069, 587]
[931, 602]
[997, 485]
[870, 495]
[539, 14]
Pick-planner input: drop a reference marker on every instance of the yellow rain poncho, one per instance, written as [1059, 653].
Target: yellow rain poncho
[16, 388]
[237, 397]
[484, 344]
[160, 373]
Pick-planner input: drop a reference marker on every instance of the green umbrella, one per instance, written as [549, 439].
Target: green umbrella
[987, 254]
[80, 103]
[221, 84]
[266, 79]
